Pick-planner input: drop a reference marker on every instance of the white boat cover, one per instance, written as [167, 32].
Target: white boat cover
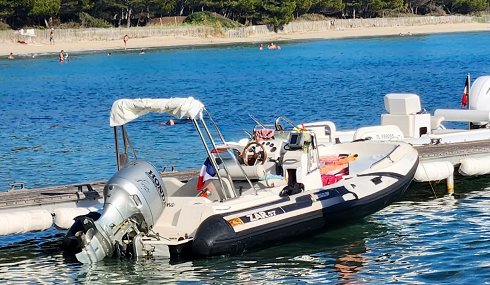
[126, 110]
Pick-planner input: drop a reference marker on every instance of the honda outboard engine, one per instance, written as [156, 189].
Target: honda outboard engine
[134, 198]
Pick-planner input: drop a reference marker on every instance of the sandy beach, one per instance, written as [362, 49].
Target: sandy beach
[153, 42]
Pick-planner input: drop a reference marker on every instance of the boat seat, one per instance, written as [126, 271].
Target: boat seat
[271, 182]
[252, 171]
[412, 126]
[402, 103]
[188, 189]
[325, 131]
[216, 192]
[171, 185]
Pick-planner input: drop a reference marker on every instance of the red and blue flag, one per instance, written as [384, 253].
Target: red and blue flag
[466, 92]
[206, 173]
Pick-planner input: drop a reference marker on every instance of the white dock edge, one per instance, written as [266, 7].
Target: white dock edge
[65, 217]
[25, 221]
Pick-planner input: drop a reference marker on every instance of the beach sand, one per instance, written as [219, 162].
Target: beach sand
[152, 42]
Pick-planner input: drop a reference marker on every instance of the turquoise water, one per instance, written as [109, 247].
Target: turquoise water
[55, 130]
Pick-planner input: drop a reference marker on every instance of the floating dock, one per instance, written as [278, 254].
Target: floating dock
[453, 152]
[85, 193]
[439, 161]
[33, 209]
[25, 210]
[71, 195]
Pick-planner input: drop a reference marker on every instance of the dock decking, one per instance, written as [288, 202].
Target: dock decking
[456, 150]
[71, 193]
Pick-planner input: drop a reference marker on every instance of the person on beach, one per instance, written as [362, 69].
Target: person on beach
[51, 37]
[62, 56]
[125, 40]
[10, 56]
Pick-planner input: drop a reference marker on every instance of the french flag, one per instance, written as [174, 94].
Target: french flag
[207, 172]
[466, 92]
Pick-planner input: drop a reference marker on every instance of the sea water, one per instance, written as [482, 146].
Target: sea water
[54, 129]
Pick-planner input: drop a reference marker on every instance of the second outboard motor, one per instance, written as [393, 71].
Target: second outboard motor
[479, 98]
[134, 198]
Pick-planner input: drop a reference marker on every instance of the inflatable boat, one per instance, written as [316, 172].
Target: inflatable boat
[269, 188]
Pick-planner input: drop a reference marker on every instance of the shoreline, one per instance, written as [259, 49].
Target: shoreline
[26, 50]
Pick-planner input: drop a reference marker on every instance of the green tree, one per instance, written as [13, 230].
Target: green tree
[328, 7]
[164, 7]
[377, 8]
[373, 8]
[246, 11]
[352, 7]
[415, 5]
[6, 9]
[278, 13]
[70, 10]
[121, 11]
[19, 13]
[303, 6]
[44, 9]
[469, 6]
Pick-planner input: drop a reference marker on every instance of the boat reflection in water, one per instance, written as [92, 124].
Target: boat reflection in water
[350, 264]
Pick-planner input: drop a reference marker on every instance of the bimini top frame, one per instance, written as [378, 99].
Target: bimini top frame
[125, 110]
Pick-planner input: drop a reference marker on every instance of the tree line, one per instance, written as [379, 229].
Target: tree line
[105, 13]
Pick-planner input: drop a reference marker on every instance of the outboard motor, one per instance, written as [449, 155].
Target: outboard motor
[134, 198]
[479, 98]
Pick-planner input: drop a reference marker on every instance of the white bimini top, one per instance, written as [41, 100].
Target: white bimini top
[125, 110]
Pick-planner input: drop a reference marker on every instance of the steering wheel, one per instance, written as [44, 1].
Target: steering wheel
[251, 156]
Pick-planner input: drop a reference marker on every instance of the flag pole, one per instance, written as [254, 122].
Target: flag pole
[469, 92]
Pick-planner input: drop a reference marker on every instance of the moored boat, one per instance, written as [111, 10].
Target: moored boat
[406, 119]
[273, 187]
[442, 149]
